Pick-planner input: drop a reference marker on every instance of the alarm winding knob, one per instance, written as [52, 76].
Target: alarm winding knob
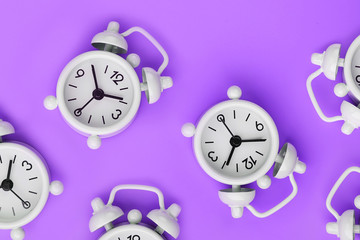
[103, 215]
[166, 220]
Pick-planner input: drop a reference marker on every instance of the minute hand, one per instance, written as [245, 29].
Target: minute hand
[115, 97]
[253, 140]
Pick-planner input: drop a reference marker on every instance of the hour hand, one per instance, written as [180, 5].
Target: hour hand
[221, 118]
[253, 140]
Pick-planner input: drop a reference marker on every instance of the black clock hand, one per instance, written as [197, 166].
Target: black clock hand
[230, 156]
[26, 204]
[94, 75]
[221, 118]
[115, 97]
[78, 111]
[253, 140]
[9, 170]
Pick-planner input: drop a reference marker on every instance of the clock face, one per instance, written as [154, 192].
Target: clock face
[237, 142]
[22, 183]
[99, 90]
[131, 232]
[355, 67]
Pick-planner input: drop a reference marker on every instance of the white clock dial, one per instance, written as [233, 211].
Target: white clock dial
[98, 92]
[355, 67]
[21, 184]
[131, 232]
[236, 142]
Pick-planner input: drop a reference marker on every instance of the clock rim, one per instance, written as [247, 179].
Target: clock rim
[222, 177]
[44, 172]
[131, 227]
[349, 80]
[86, 129]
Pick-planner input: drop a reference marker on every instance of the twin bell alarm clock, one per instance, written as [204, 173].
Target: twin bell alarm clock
[133, 229]
[345, 226]
[329, 62]
[236, 143]
[98, 92]
[25, 184]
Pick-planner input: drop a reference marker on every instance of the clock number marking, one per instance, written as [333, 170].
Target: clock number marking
[32, 178]
[0, 159]
[249, 164]
[259, 126]
[71, 99]
[118, 77]
[27, 165]
[79, 73]
[247, 118]
[106, 68]
[89, 119]
[133, 237]
[223, 165]
[237, 167]
[117, 114]
[358, 79]
[209, 142]
[33, 192]
[70, 85]
[103, 119]
[212, 156]
[14, 159]
[357, 66]
[259, 153]
[234, 114]
[13, 211]
[212, 129]
[123, 88]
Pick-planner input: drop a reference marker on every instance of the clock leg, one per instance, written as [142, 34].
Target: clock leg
[17, 234]
[50, 103]
[94, 142]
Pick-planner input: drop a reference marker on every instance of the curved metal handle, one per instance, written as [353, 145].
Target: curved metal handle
[137, 187]
[280, 205]
[314, 101]
[335, 188]
[153, 41]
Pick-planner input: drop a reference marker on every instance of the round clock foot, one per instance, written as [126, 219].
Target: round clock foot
[188, 129]
[17, 234]
[50, 103]
[94, 142]
[56, 188]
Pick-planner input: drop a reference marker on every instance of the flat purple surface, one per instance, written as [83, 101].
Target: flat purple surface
[262, 46]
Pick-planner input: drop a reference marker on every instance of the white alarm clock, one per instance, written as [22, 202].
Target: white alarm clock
[99, 92]
[329, 62]
[25, 184]
[236, 143]
[104, 215]
[345, 226]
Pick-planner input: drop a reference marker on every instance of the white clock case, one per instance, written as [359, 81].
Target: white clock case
[55, 187]
[329, 62]
[202, 124]
[84, 129]
[40, 161]
[238, 197]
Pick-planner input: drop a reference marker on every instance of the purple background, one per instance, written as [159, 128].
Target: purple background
[262, 46]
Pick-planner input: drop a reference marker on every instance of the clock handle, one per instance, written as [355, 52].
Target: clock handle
[137, 187]
[314, 101]
[280, 205]
[335, 188]
[153, 41]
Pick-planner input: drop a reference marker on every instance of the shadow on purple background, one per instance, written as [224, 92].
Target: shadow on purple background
[262, 46]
